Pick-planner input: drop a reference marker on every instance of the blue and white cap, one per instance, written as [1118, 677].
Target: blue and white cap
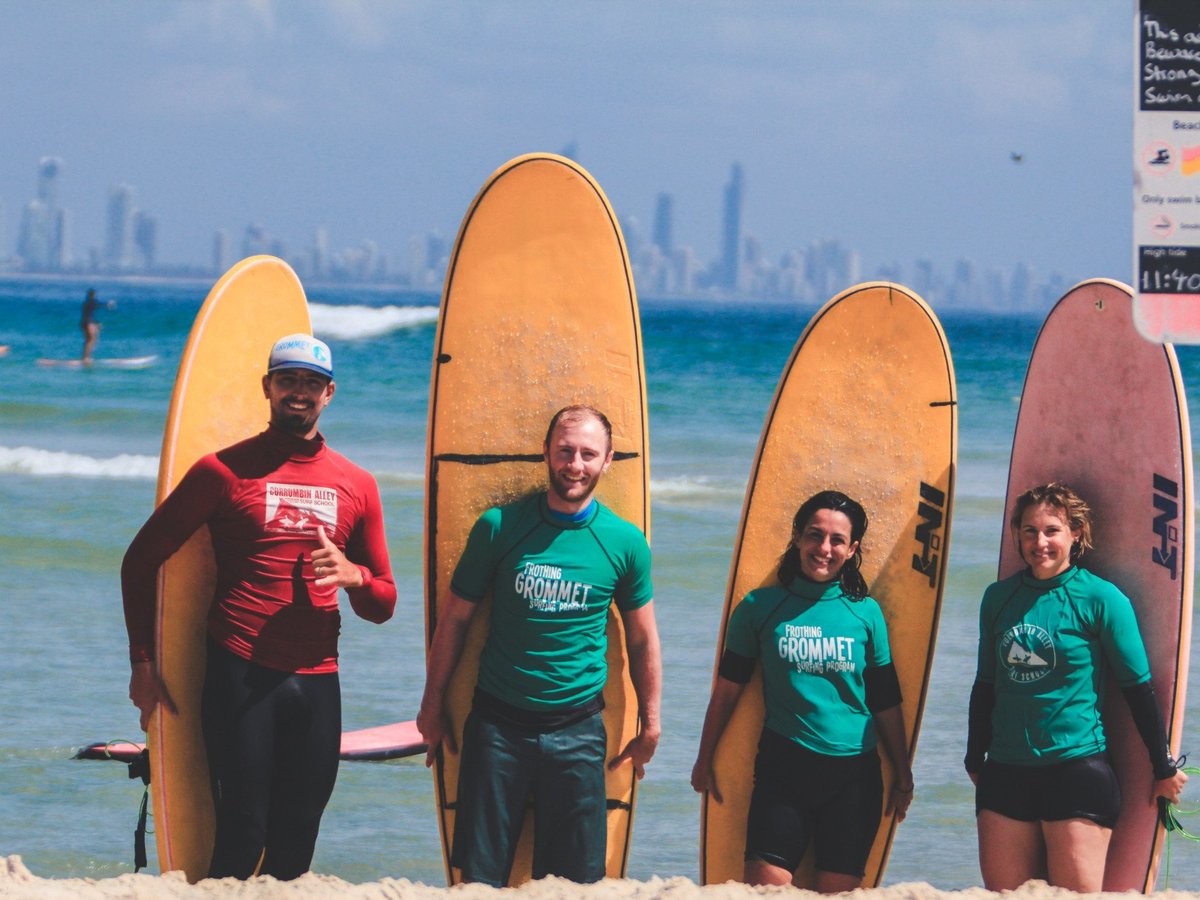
[301, 351]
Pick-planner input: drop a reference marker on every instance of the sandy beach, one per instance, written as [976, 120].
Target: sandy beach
[17, 881]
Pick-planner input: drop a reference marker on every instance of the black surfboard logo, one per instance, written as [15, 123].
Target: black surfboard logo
[1166, 524]
[931, 510]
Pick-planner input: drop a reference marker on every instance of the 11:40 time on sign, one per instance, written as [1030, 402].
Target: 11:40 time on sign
[1169, 270]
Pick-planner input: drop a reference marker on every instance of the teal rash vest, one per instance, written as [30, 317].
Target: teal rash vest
[815, 643]
[551, 580]
[1047, 646]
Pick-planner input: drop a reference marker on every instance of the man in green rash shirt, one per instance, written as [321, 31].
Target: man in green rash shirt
[552, 563]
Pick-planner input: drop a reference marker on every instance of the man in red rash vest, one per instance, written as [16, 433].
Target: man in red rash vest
[291, 522]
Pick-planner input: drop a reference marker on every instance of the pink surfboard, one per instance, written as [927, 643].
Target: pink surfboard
[1103, 409]
[393, 741]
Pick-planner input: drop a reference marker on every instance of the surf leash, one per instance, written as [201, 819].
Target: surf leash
[1170, 814]
[137, 758]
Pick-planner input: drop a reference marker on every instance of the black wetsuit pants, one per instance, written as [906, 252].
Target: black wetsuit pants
[273, 740]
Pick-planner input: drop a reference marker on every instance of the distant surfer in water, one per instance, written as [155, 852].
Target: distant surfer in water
[90, 324]
[1046, 797]
[552, 563]
[831, 693]
[291, 522]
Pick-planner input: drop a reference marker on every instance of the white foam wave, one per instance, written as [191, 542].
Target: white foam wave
[352, 322]
[35, 461]
[398, 478]
[697, 488]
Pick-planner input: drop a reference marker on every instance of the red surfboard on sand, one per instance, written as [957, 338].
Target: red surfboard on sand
[1103, 409]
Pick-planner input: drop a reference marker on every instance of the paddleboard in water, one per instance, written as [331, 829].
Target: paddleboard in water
[115, 362]
[538, 312]
[866, 405]
[217, 401]
[1103, 409]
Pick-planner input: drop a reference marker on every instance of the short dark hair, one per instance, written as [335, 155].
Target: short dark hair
[579, 412]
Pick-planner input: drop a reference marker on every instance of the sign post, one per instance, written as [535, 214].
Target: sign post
[1166, 179]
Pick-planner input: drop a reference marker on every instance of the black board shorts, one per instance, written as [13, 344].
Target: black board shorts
[1084, 788]
[801, 797]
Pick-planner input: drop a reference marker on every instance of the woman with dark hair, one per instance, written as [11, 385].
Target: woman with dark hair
[1046, 797]
[830, 691]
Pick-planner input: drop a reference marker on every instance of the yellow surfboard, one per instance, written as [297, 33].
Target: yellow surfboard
[538, 312]
[866, 405]
[217, 401]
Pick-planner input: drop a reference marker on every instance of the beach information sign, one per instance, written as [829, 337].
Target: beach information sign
[1166, 174]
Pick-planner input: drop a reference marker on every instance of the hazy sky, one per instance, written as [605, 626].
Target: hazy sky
[886, 124]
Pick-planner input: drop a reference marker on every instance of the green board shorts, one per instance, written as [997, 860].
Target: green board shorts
[503, 768]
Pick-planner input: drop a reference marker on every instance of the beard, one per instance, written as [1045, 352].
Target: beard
[572, 491]
[293, 421]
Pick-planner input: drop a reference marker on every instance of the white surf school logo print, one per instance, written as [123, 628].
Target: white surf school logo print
[300, 508]
[1027, 653]
[808, 649]
[543, 586]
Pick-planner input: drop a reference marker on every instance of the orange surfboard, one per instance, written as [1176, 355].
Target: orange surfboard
[538, 312]
[889, 439]
[217, 401]
[1103, 409]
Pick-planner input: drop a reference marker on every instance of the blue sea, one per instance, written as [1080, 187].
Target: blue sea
[78, 459]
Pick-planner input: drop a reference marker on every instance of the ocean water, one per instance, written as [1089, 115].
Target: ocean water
[78, 458]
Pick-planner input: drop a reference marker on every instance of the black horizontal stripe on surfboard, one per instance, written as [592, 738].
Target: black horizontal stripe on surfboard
[944, 403]
[491, 459]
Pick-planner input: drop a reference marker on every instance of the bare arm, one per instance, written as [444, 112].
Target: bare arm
[721, 705]
[889, 724]
[450, 633]
[645, 670]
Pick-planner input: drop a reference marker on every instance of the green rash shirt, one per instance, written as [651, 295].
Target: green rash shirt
[551, 582]
[1043, 645]
[815, 643]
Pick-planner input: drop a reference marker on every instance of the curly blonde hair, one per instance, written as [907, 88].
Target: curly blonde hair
[1075, 512]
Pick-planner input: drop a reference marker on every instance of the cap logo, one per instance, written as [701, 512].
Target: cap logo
[301, 351]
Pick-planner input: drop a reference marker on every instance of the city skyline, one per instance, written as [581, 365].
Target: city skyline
[888, 125]
[742, 269]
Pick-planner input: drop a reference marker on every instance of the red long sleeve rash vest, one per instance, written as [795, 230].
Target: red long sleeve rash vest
[262, 500]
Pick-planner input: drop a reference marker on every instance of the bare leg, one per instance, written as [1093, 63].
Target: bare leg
[91, 334]
[1075, 854]
[1010, 852]
[758, 872]
[836, 882]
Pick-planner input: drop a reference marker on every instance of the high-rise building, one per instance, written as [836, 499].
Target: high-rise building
[222, 251]
[257, 240]
[731, 231]
[118, 228]
[60, 256]
[145, 239]
[686, 266]
[47, 188]
[320, 252]
[35, 240]
[664, 224]
[44, 236]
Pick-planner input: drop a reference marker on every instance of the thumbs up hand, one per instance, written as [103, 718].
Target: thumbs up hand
[331, 566]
